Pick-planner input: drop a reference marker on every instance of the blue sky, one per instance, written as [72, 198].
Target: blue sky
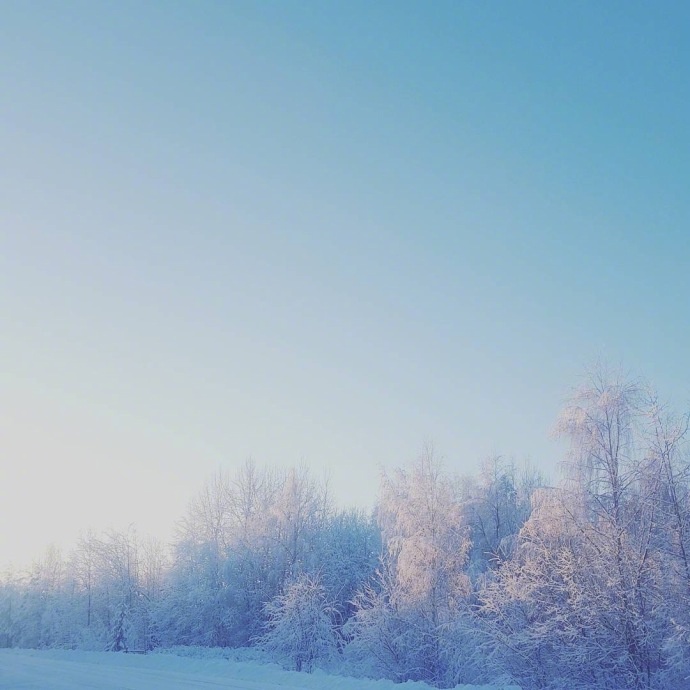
[324, 233]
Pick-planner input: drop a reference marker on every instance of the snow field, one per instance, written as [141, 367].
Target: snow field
[78, 670]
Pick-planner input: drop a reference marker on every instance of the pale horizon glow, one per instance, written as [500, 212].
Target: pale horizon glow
[323, 235]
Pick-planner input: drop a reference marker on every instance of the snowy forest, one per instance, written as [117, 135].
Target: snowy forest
[582, 582]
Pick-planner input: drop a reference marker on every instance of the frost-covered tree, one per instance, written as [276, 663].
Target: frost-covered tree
[84, 562]
[378, 633]
[422, 585]
[609, 481]
[496, 504]
[421, 520]
[541, 608]
[43, 615]
[668, 465]
[347, 553]
[587, 600]
[197, 608]
[300, 629]
[244, 536]
[300, 513]
[10, 589]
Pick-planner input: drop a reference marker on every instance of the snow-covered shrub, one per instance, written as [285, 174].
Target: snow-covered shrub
[299, 627]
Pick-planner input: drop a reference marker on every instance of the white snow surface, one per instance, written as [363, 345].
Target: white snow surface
[77, 670]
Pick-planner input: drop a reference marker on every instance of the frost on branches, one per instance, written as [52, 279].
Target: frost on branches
[496, 578]
[596, 595]
[299, 627]
[408, 623]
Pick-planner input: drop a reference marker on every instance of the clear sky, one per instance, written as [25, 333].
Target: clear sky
[323, 232]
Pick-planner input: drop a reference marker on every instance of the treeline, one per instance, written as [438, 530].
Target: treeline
[450, 580]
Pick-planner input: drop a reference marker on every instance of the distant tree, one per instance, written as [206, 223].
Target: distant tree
[84, 562]
[10, 589]
[300, 513]
[198, 607]
[495, 506]
[244, 537]
[346, 556]
[43, 617]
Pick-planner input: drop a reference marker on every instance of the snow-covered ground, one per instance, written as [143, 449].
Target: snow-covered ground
[66, 670]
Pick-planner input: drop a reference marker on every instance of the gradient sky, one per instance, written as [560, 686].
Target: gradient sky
[324, 232]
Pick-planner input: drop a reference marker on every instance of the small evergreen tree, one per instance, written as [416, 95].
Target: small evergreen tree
[119, 638]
